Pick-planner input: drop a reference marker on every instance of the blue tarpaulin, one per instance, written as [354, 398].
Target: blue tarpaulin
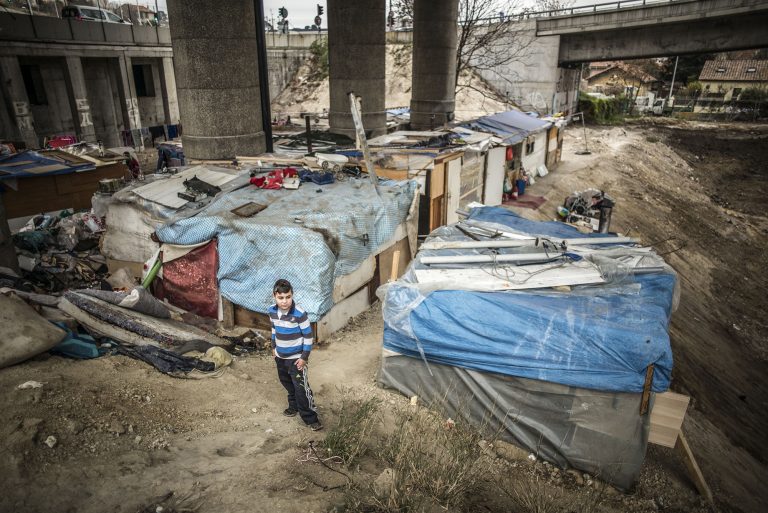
[596, 337]
[31, 163]
[512, 126]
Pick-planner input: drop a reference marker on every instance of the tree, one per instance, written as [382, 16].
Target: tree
[490, 36]
[553, 5]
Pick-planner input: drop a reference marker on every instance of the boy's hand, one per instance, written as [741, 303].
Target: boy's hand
[300, 364]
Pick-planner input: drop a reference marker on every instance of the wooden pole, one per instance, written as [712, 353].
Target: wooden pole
[395, 265]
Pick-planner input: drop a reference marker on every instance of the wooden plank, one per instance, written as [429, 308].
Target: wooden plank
[249, 319]
[348, 284]
[341, 313]
[645, 398]
[228, 310]
[394, 174]
[683, 449]
[56, 192]
[437, 181]
[453, 190]
[395, 265]
[386, 258]
[667, 414]
[436, 213]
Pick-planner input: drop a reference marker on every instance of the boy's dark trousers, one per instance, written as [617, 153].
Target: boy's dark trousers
[299, 394]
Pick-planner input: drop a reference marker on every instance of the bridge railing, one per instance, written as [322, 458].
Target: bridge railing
[527, 14]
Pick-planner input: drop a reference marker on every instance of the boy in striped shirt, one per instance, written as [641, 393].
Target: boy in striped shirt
[291, 344]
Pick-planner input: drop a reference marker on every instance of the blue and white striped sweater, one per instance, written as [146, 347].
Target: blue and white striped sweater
[291, 333]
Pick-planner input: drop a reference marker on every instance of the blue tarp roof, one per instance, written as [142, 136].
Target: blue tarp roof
[32, 163]
[512, 126]
[600, 337]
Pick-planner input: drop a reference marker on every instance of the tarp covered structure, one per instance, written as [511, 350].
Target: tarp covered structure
[590, 341]
[308, 236]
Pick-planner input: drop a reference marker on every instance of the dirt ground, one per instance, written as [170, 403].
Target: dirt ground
[127, 436]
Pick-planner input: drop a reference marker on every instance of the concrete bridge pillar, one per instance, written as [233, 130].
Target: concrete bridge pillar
[217, 77]
[12, 87]
[78, 100]
[435, 38]
[170, 98]
[356, 53]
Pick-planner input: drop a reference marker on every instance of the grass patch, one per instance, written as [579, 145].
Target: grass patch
[430, 462]
[348, 439]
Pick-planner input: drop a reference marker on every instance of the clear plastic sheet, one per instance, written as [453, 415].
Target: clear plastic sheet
[593, 431]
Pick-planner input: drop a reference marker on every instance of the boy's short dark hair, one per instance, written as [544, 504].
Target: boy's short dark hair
[282, 287]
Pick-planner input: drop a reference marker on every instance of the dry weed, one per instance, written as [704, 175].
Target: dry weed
[348, 439]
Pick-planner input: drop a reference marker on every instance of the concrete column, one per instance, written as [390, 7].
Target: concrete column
[13, 88]
[216, 61]
[356, 49]
[78, 100]
[126, 89]
[168, 85]
[435, 37]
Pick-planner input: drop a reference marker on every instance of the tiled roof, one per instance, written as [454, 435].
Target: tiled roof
[747, 70]
[628, 69]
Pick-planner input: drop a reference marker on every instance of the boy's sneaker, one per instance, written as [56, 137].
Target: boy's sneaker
[290, 412]
[316, 426]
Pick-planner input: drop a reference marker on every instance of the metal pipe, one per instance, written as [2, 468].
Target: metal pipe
[487, 259]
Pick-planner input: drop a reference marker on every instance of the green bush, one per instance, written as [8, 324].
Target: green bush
[319, 51]
[602, 111]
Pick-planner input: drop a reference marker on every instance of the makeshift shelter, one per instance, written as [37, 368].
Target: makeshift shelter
[222, 254]
[323, 239]
[41, 181]
[534, 142]
[450, 166]
[551, 335]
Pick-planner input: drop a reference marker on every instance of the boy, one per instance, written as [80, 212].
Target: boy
[291, 344]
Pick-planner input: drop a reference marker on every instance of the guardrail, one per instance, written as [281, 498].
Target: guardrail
[23, 27]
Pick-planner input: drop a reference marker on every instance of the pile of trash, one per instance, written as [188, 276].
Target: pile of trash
[58, 252]
[64, 301]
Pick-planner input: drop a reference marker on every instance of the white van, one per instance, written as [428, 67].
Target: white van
[88, 13]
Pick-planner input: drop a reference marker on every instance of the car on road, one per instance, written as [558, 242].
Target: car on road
[88, 13]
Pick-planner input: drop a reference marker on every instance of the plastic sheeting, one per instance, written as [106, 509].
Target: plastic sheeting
[512, 126]
[309, 236]
[597, 432]
[601, 337]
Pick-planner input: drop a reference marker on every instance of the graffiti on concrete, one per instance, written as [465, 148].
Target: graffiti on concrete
[133, 112]
[84, 111]
[537, 101]
[23, 116]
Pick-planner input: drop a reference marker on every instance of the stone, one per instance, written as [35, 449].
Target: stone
[51, 441]
[509, 451]
[116, 427]
[74, 426]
